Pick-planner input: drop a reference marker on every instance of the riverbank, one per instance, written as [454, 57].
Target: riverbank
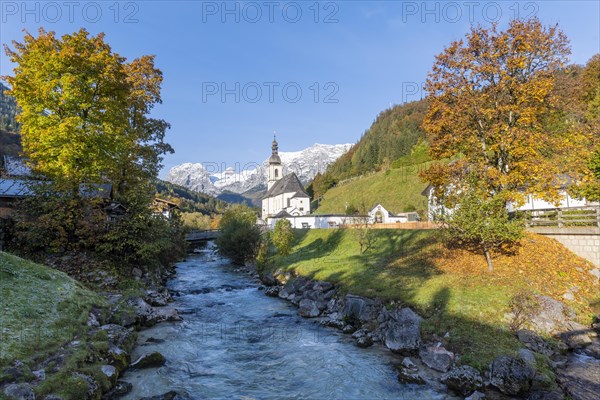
[61, 340]
[466, 311]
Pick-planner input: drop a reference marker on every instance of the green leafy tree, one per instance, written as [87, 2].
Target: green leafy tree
[240, 236]
[283, 236]
[482, 223]
[85, 119]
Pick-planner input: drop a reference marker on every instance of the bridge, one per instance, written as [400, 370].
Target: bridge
[202, 236]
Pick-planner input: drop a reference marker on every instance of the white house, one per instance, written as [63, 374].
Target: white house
[435, 209]
[379, 215]
[286, 195]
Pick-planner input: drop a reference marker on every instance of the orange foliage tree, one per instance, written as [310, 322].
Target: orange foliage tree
[489, 98]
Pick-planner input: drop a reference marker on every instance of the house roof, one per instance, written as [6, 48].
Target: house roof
[15, 166]
[426, 191]
[15, 188]
[170, 203]
[282, 214]
[288, 184]
[23, 188]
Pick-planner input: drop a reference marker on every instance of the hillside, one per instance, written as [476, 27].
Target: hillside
[398, 189]
[392, 135]
[8, 111]
[189, 200]
[460, 300]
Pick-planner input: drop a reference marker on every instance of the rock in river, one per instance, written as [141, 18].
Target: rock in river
[149, 360]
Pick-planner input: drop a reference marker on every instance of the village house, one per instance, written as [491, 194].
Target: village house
[435, 210]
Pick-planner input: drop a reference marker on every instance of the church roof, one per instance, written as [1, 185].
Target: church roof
[288, 184]
[282, 214]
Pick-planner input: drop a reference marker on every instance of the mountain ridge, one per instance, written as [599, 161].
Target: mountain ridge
[306, 163]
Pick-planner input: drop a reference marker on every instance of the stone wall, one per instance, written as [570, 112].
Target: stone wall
[585, 242]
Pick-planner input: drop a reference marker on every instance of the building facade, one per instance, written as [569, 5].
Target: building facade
[285, 194]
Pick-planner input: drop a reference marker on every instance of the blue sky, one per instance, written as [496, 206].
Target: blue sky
[234, 70]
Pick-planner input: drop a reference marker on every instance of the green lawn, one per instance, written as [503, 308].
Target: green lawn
[41, 308]
[396, 189]
[452, 289]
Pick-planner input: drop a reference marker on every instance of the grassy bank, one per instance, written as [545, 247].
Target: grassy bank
[451, 288]
[397, 189]
[43, 312]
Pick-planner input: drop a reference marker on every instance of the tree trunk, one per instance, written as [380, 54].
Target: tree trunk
[488, 258]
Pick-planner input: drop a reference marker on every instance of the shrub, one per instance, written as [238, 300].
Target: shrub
[240, 236]
[524, 305]
[283, 236]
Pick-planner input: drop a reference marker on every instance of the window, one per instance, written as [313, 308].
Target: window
[301, 208]
[288, 202]
[276, 172]
[305, 225]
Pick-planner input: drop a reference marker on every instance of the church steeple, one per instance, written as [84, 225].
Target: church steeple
[274, 146]
[275, 169]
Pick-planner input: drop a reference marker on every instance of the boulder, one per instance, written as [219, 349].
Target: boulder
[333, 322]
[111, 373]
[347, 329]
[144, 313]
[269, 280]
[19, 391]
[463, 380]
[402, 332]
[534, 342]
[437, 357]
[308, 308]
[149, 360]
[408, 376]
[363, 338]
[476, 396]
[511, 375]
[118, 335]
[272, 291]
[157, 298]
[359, 309]
[120, 389]
[172, 395]
[118, 358]
[578, 336]
[552, 317]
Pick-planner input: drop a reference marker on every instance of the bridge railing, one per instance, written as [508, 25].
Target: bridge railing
[588, 216]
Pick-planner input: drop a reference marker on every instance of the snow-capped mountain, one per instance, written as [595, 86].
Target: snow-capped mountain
[305, 163]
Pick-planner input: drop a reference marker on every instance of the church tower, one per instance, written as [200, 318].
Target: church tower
[275, 169]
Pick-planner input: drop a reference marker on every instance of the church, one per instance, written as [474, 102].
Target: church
[285, 196]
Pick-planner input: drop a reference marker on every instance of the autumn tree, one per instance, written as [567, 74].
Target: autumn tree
[85, 120]
[488, 97]
[84, 110]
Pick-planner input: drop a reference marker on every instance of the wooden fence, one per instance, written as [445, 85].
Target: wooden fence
[402, 225]
[564, 217]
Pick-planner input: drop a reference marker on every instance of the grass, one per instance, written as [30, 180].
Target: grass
[396, 189]
[41, 308]
[451, 288]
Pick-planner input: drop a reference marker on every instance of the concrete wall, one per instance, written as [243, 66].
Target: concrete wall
[585, 242]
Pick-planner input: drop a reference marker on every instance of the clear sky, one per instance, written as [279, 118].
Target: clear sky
[315, 72]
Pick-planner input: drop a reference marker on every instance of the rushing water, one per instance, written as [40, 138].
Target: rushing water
[237, 343]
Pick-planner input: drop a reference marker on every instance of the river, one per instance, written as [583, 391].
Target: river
[237, 343]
